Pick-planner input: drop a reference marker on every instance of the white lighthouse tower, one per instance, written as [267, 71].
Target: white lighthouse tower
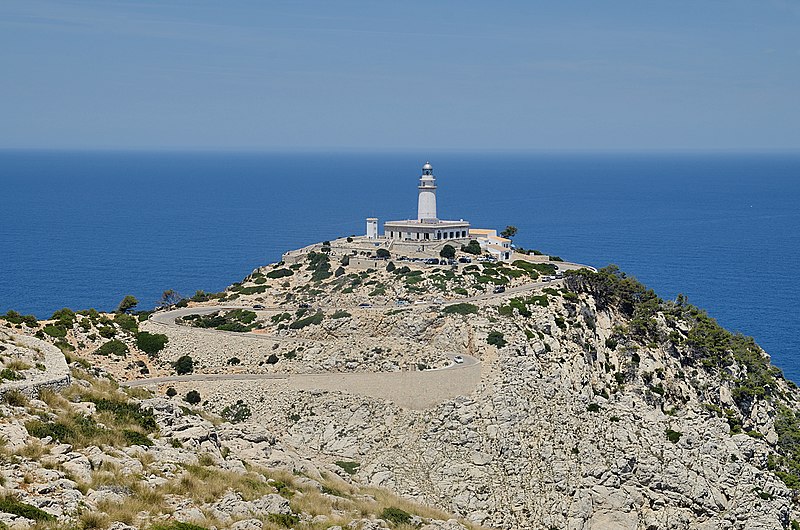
[426, 206]
[427, 226]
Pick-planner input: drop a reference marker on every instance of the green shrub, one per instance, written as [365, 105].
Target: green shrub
[151, 343]
[448, 251]
[472, 248]
[280, 273]
[193, 397]
[382, 253]
[11, 375]
[237, 412]
[55, 331]
[316, 318]
[127, 322]
[349, 467]
[11, 505]
[15, 318]
[136, 438]
[107, 332]
[64, 316]
[171, 392]
[184, 365]
[396, 516]
[495, 338]
[460, 309]
[341, 314]
[43, 429]
[593, 407]
[673, 436]
[113, 347]
[569, 296]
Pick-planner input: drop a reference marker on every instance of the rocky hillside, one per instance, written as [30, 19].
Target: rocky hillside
[91, 455]
[598, 405]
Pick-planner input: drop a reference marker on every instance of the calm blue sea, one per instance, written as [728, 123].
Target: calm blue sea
[83, 229]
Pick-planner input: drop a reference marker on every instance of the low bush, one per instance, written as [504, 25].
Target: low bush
[237, 412]
[316, 318]
[184, 365]
[460, 309]
[280, 273]
[127, 322]
[396, 516]
[472, 248]
[495, 338]
[136, 438]
[341, 314]
[15, 318]
[673, 436]
[11, 375]
[11, 505]
[192, 397]
[55, 331]
[349, 467]
[113, 347]
[151, 343]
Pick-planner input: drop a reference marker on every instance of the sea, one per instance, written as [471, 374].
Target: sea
[83, 229]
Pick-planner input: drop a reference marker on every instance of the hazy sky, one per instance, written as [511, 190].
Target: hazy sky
[698, 74]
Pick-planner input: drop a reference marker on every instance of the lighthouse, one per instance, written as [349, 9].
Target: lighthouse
[426, 205]
[427, 226]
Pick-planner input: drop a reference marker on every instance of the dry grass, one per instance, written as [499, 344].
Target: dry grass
[138, 392]
[17, 364]
[54, 399]
[141, 499]
[32, 450]
[206, 484]
[15, 398]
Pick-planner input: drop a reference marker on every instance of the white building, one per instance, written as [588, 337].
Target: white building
[427, 226]
[499, 247]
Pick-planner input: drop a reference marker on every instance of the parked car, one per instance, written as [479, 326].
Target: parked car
[464, 259]
[499, 289]
[364, 304]
[258, 306]
[458, 359]
[305, 306]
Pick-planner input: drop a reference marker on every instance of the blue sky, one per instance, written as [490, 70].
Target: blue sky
[588, 75]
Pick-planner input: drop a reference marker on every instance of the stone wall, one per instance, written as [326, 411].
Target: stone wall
[55, 376]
